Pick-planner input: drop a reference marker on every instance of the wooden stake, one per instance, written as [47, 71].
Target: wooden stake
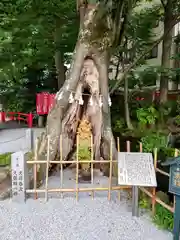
[77, 166]
[87, 189]
[128, 146]
[35, 168]
[110, 173]
[118, 147]
[154, 189]
[118, 144]
[140, 147]
[158, 200]
[47, 169]
[68, 162]
[176, 153]
[61, 165]
[92, 166]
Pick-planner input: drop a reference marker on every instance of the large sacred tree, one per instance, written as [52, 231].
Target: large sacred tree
[85, 92]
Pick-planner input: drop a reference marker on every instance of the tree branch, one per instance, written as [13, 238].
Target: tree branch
[117, 23]
[133, 64]
[143, 89]
[163, 4]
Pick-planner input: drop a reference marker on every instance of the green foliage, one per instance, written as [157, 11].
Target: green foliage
[154, 140]
[5, 159]
[50, 26]
[143, 77]
[139, 35]
[140, 27]
[163, 218]
[84, 153]
[118, 125]
[117, 122]
[37, 42]
[144, 201]
[147, 115]
[167, 108]
[178, 106]
[168, 152]
[177, 120]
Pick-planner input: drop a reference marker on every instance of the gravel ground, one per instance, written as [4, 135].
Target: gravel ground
[12, 140]
[67, 219]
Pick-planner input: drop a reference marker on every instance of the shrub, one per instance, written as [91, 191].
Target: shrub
[5, 159]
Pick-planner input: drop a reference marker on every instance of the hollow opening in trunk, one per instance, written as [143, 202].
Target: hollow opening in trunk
[84, 131]
[84, 117]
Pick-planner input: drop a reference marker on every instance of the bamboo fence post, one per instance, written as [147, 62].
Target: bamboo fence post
[61, 165]
[154, 189]
[140, 147]
[118, 147]
[118, 144]
[47, 169]
[35, 168]
[128, 146]
[128, 149]
[85, 189]
[110, 173]
[92, 166]
[77, 166]
[176, 153]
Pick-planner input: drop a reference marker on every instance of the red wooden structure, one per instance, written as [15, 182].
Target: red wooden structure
[44, 102]
[172, 95]
[12, 116]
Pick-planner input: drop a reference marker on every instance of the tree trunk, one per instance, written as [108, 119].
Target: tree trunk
[59, 57]
[87, 81]
[126, 105]
[166, 52]
[126, 94]
[177, 64]
[60, 69]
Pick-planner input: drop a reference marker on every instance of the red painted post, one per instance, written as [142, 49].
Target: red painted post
[11, 117]
[2, 117]
[30, 120]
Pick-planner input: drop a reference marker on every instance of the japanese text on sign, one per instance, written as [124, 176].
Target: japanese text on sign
[136, 169]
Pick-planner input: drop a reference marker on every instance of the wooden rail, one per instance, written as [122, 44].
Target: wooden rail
[109, 188]
[153, 195]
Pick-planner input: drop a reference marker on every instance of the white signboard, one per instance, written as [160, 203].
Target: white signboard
[136, 169]
[19, 176]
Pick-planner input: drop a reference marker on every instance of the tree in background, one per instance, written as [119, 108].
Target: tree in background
[34, 37]
[138, 36]
[170, 17]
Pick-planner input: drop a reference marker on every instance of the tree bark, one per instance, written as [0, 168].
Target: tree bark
[60, 69]
[93, 45]
[126, 105]
[177, 64]
[59, 57]
[166, 53]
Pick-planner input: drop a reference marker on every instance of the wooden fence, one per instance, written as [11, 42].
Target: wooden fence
[151, 192]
